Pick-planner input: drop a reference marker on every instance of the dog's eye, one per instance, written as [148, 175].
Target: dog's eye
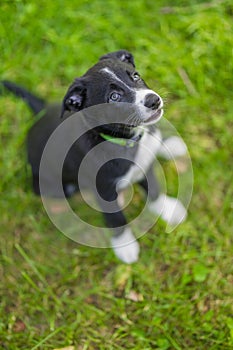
[136, 76]
[115, 96]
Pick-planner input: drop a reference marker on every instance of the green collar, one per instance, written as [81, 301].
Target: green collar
[121, 141]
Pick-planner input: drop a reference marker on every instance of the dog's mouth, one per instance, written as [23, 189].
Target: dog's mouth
[154, 118]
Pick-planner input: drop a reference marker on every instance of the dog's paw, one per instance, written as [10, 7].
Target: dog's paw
[121, 199]
[172, 147]
[126, 247]
[169, 209]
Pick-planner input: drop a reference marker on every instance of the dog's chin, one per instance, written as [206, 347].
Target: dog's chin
[153, 118]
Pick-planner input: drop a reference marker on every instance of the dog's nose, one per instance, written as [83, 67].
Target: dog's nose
[152, 101]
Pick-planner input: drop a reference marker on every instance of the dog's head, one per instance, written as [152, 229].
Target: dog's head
[114, 80]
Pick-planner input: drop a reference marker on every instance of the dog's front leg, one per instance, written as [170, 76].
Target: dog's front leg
[170, 209]
[123, 241]
[172, 147]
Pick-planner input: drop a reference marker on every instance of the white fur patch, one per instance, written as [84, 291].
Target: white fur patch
[115, 77]
[172, 147]
[170, 209]
[145, 156]
[126, 246]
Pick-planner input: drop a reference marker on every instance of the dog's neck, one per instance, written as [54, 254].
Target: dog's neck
[124, 141]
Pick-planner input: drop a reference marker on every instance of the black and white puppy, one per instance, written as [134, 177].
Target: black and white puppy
[113, 80]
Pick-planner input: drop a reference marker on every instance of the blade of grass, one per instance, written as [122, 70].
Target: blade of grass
[47, 338]
[37, 272]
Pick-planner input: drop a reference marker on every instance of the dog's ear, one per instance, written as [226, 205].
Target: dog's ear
[75, 97]
[122, 55]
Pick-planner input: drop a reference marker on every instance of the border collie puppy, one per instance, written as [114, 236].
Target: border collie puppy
[126, 137]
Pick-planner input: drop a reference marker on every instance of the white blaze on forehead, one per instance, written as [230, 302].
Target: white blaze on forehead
[115, 77]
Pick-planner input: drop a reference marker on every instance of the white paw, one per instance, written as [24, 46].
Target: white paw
[126, 247]
[170, 209]
[172, 147]
[121, 199]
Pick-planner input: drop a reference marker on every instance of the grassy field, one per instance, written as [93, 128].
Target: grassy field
[56, 293]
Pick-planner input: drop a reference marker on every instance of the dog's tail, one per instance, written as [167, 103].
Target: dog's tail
[35, 103]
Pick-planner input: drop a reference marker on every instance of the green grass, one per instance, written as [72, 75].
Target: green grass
[55, 293]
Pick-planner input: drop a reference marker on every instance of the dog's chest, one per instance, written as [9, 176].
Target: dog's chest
[145, 156]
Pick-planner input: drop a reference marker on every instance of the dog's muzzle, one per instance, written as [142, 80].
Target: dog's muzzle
[153, 108]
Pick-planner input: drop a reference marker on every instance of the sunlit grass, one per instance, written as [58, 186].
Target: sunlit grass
[56, 293]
